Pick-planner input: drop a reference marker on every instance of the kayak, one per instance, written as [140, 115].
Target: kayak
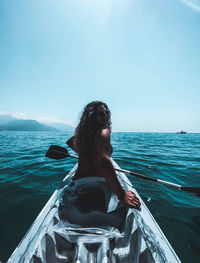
[50, 240]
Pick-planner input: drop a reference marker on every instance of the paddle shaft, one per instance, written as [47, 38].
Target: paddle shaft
[142, 176]
[57, 152]
[177, 186]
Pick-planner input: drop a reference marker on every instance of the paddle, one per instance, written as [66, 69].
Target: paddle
[57, 152]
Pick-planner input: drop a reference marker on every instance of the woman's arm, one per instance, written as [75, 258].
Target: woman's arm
[127, 197]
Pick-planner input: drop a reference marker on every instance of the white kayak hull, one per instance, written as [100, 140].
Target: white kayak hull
[48, 241]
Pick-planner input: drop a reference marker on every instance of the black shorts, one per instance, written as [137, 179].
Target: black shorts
[85, 203]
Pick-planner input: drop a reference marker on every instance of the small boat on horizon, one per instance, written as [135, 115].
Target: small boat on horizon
[182, 132]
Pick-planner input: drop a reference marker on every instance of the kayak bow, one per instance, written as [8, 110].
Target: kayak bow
[51, 241]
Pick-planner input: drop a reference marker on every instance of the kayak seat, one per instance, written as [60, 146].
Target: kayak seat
[85, 203]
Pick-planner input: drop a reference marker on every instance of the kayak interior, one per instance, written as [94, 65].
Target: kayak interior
[50, 240]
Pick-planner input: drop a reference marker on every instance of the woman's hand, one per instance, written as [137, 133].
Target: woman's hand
[131, 200]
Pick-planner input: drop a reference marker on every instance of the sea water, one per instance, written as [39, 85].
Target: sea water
[28, 179]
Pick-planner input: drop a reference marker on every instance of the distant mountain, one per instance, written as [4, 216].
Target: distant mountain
[62, 126]
[25, 125]
[9, 123]
[4, 119]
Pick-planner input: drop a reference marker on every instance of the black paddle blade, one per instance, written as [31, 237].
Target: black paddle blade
[57, 152]
[193, 190]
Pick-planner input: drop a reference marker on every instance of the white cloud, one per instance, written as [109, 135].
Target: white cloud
[3, 113]
[21, 116]
[24, 116]
[52, 120]
[194, 4]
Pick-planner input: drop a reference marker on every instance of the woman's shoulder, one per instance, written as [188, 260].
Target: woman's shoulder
[105, 140]
[105, 133]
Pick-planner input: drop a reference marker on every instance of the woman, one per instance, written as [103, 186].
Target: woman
[92, 143]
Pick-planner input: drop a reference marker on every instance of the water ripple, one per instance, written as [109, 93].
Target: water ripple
[28, 178]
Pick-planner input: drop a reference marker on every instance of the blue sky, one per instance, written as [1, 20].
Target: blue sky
[142, 57]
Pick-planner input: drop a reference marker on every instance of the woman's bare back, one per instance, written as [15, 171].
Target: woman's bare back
[91, 164]
[98, 163]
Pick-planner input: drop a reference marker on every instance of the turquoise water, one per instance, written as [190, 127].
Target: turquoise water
[28, 178]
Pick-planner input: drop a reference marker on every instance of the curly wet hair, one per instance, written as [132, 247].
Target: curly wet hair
[95, 117]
